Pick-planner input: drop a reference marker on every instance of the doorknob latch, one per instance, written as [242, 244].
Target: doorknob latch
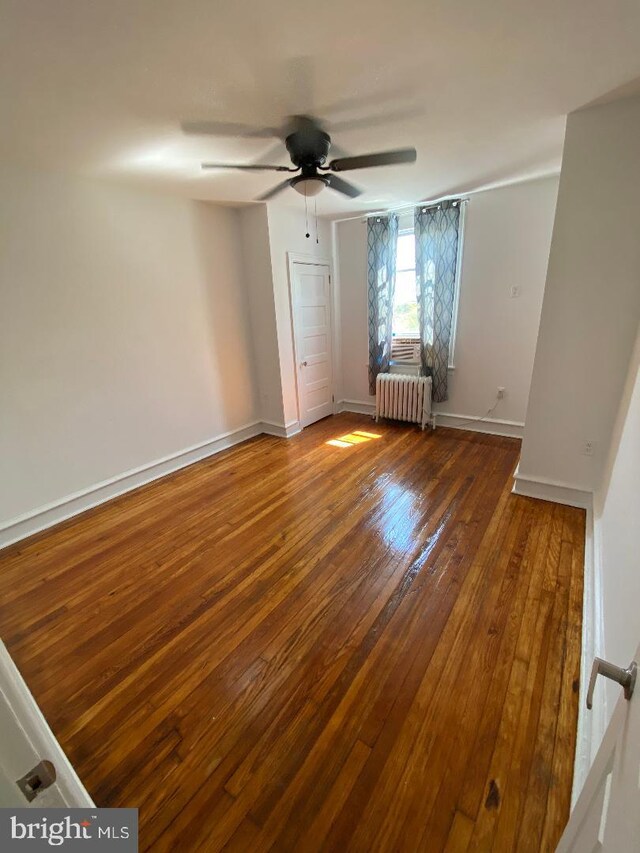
[36, 780]
[626, 678]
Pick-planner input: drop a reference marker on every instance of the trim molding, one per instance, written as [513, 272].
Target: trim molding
[281, 430]
[493, 426]
[591, 724]
[37, 731]
[511, 429]
[53, 513]
[359, 407]
[550, 490]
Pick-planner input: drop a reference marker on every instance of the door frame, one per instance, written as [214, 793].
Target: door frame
[317, 261]
[19, 699]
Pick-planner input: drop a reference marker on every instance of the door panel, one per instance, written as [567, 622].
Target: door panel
[314, 315]
[311, 301]
[315, 343]
[606, 817]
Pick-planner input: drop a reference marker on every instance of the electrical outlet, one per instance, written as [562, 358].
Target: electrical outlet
[515, 291]
[501, 392]
[587, 448]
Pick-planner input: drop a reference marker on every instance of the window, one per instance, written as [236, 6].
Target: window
[406, 332]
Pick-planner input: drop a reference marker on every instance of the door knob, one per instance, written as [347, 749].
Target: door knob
[626, 678]
[303, 364]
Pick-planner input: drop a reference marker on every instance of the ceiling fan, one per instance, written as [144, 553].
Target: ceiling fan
[308, 146]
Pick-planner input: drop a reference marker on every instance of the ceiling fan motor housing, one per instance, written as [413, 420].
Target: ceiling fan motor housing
[308, 147]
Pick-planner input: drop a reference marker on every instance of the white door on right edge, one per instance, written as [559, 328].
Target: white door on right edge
[606, 816]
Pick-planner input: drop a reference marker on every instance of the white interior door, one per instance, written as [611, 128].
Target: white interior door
[25, 741]
[311, 302]
[606, 816]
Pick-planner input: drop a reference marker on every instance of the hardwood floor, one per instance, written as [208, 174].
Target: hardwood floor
[297, 645]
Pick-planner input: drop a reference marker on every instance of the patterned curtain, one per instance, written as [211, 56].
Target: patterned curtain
[382, 244]
[436, 231]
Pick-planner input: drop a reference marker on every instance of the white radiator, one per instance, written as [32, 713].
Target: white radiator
[403, 398]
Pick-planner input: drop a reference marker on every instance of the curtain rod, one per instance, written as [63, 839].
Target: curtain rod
[411, 206]
[425, 205]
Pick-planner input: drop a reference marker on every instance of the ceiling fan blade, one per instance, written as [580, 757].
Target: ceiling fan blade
[226, 128]
[302, 124]
[338, 152]
[365, 161]
[251, 167]
[298, 82]
[342, 186]
[357, 102]
[274, 152]
[273, 191]
[370, 121]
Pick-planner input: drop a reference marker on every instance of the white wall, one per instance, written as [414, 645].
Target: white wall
[256, 252]
[617, 532]
[124, 333]
[287, 229]
[592, 298]
[506, 244]
[507, 239]
[351, 262]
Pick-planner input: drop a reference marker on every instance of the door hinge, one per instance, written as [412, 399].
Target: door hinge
[37, 779]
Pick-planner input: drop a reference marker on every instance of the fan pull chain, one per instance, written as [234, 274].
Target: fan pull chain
[315, 210]
[306, 215]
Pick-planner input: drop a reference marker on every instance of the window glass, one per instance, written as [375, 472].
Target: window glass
[405, 306]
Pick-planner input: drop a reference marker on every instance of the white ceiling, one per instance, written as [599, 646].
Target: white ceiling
[100, 87]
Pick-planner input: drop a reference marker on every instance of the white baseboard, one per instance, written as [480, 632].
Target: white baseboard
[358, 407]
[281, 430]
[511, 429]
[53, 513]
[36, 730]
[550, 490]
[491, 426]
[591, 724]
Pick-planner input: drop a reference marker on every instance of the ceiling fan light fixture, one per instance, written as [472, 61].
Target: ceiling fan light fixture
[308, 186]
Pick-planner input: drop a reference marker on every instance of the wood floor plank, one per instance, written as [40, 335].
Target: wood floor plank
[468, 758]
[497, 728]
[299, 646]
[559, 796]
[439, 706]
[459, 834]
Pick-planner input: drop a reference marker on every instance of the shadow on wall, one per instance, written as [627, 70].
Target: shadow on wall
[621, 419]
[218, 251]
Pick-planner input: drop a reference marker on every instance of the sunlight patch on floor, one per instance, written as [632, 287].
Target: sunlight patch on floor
[358, 436]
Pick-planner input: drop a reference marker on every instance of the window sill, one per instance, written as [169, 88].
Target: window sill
[407, 368]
